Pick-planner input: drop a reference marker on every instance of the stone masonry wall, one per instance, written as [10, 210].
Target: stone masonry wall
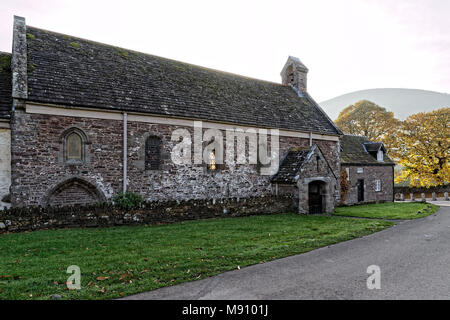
[38, 166]
[35, 218]
[5, 162]
[72, 195]
[370, 174]
[37, 156]
[317, 169]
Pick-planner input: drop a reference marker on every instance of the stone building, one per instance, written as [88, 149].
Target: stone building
[370, 172]
[89, 120]
[306, 174]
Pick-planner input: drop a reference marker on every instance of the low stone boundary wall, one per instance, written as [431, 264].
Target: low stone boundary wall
[421, 194]
[103, 215]
[433, 196]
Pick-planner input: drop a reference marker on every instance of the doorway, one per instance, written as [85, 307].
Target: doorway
[315, 195]
[360, 186]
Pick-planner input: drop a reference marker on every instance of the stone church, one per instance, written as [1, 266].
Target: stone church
[81, 121]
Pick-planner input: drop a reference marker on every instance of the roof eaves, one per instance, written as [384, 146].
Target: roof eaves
[364, 146]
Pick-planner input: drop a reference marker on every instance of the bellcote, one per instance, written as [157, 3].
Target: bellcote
[295, 73]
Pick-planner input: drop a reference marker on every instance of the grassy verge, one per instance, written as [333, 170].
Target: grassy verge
[392, 210]
[120, 261]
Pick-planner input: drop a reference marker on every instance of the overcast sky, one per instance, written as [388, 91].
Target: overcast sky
[347, 45]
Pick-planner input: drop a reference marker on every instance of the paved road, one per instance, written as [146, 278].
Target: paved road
[414, 258]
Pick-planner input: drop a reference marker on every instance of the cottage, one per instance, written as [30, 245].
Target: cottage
[370, 172]
[89, 120]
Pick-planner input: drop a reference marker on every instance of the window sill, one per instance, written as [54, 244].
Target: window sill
[73, 163]
[151, 171]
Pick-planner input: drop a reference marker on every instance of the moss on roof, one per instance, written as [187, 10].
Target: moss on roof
[5, 62]
[290, 165]
[353, 151]
[107, 77]
[5, 85]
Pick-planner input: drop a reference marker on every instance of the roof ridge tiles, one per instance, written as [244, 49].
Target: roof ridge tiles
[98, 75]
[155, 56]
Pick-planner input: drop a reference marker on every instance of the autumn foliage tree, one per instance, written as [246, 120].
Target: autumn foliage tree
[423, 149]
[366, 118]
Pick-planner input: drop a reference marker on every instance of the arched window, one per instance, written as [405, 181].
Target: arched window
[74, 141]
[74, 146]
[152, 153]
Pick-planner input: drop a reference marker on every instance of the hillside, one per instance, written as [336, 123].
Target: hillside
[403, 102]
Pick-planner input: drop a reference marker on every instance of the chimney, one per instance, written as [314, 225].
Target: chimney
[19, 59]
[295, 73]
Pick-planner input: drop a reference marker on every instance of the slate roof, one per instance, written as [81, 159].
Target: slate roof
[76, 72]
[353, 151]
[290, 165]
[5, 85]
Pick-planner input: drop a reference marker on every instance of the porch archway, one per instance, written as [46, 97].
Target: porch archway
[316, 197]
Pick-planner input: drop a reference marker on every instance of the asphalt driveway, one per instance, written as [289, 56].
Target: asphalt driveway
[413, 256]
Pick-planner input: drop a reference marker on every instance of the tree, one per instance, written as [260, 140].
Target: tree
[424, 149]
[367, 119]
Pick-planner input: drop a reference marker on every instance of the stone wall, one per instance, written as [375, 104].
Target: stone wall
[370, 174]
[37, 154]
[39, 167]
[5, 162]
[436, 189]
[35, 218]
[71, 192]
[434, 193]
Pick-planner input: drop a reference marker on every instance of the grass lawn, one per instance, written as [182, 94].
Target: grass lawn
[120, 261]
[390, 210]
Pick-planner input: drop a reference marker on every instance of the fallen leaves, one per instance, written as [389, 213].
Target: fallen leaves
[126, 276]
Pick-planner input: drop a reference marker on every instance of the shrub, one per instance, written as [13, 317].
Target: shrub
[128, 200]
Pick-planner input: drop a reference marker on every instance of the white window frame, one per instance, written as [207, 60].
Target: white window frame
[380, 156]
[360, 170]
[348, 173]
[378, 185]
